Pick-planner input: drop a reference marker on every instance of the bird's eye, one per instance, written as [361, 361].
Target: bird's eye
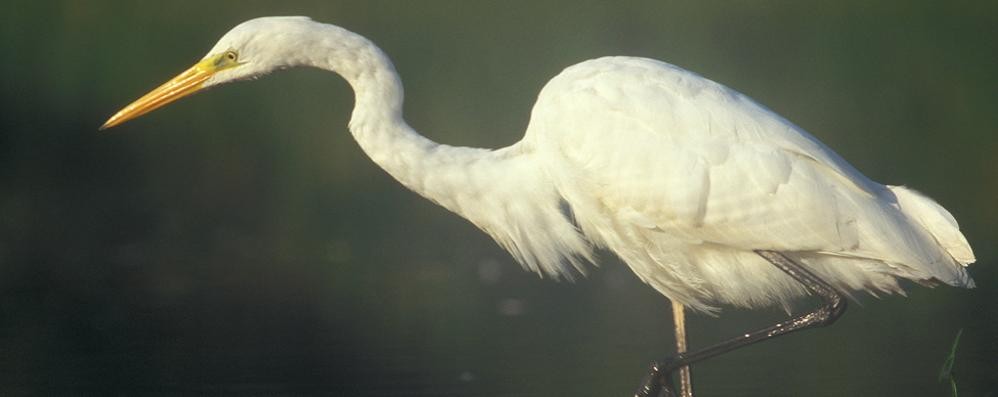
[231, 56]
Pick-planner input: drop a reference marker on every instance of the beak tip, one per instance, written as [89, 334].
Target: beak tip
[113, 121]
[106, 125]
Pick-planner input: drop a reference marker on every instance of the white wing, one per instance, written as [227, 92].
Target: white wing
[678, 174]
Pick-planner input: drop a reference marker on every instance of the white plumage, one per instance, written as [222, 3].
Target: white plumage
[684, 178]
[679, 176]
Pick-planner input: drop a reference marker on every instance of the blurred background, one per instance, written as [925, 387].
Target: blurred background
[240, 242]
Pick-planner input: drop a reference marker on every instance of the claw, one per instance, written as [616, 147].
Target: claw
[657, 383]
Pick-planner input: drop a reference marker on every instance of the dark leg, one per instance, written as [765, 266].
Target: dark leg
[659, 378]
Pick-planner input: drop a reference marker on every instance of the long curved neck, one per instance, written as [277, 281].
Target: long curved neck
[504, 192]
[437, 172]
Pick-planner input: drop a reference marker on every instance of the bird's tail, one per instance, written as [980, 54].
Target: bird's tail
[937, 221]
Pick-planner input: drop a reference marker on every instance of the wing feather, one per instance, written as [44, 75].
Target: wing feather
[661, 149]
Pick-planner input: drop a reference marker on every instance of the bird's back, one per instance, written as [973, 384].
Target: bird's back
[683, 178]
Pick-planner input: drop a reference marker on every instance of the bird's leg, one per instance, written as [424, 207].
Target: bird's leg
[685, 372]
[659, 380]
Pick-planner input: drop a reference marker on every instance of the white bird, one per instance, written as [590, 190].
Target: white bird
[696, 187]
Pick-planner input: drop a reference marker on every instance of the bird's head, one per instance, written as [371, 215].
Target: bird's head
[251, 49]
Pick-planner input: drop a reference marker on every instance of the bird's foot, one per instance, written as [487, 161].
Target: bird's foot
[658, 381]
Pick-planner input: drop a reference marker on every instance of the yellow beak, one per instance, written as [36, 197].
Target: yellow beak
[186, 83]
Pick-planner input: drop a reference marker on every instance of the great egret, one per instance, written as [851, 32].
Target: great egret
[709, 197]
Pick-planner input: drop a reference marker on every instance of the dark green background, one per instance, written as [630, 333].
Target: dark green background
[239, 241]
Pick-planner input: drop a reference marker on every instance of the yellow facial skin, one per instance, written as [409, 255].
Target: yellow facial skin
[186, 83]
